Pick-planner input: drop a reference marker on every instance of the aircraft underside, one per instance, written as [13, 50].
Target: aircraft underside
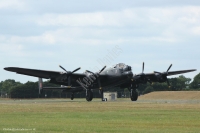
[122, 83]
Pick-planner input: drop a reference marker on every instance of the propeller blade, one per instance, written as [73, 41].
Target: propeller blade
[156, 72]
[143, 67]
[76, 69]
[69, 74]
[89, 71]
[168, 83]
[63, 68]
[169, 67]
[102, 69]
[99, 82]
[98, 79]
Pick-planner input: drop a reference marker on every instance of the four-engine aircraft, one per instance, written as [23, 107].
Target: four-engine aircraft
[118, 76]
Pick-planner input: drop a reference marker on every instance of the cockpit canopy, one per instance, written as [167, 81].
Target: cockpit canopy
[120, 65]
[123, 66]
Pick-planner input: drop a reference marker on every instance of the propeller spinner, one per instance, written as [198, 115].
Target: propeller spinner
[164, 74]
[98, 79]
[69, 73]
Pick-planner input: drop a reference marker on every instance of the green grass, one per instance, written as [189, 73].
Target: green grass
[98, 117]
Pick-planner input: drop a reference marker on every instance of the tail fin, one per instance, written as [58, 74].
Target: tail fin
[40, 85]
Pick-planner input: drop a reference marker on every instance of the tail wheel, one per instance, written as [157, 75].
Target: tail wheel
[89, 95]
[134, 95]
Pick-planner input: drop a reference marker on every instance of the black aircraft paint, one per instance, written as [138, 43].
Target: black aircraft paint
[118, 76]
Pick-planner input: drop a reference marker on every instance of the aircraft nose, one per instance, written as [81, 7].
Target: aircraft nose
[129, 74]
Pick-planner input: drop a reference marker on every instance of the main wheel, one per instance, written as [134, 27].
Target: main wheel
[89, 95]
[134, 95]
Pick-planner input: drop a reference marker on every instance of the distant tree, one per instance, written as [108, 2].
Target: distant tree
[8, 84]
[142, 87]
[179, 83]
[27, 90]
[196, 82]
[160, 86]
[148, 90]
[1, 85]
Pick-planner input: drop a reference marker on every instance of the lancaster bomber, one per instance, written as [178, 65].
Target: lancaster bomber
[120, 75]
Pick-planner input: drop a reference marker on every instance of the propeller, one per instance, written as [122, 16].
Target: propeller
[102, 69]
[97, 73]
[89, 71]
[69, 73]
[76, 70]
[143, 67]
[141, 76]
[164, 74]
[157, 72]
[169, 68]
[63, 68]
[98, 79]
[167, 74]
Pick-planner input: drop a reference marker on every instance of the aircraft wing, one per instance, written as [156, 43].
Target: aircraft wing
[156, 75]
[171, 72]
[39, 73]
[44, 73]
[180, 72]
[34, 72]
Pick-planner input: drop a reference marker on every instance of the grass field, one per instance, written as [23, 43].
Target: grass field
[63, 115]
[173, 95]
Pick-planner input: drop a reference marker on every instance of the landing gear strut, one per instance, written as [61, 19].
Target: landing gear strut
[89, 95]
[101, 93]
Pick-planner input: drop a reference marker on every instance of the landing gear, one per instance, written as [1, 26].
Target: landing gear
[133, 95]
[89, 95]
[101, 93]
[72, 96]
[133, 92]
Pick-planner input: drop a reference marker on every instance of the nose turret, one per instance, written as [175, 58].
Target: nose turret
[128, 73]
[127, 68]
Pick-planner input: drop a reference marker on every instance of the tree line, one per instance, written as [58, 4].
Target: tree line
[11, 88]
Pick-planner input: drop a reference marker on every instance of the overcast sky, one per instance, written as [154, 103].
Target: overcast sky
[75, 33]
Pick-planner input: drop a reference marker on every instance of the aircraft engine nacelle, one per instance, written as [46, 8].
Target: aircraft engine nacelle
[140, 79]
[90, 78]
[143, 80]
[63, 77]
[161, 78]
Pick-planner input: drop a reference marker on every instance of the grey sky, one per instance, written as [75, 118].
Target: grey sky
[43, 34]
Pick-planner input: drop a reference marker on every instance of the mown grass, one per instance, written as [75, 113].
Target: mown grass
[98, 117]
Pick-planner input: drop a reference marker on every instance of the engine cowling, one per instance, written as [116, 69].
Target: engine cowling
[161, 77]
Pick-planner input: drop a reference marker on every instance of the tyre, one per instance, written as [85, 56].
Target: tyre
[134, 95]
[89, 95]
